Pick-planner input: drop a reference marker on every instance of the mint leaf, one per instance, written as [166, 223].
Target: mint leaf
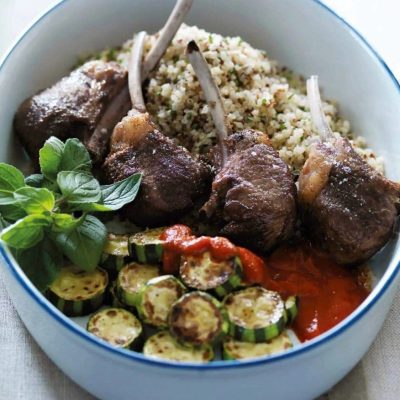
[118, 194]
[35, 180]
[35, 200]
[78, 187]
[65, 222]
[10, 179]
[41, 263]
[26, 232]
[75, 157]
[12, 212]
[40, 181]
[3, 223]
[84, 245]
[50, 157]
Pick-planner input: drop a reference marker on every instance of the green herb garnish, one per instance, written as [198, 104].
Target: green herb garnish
[45, 217]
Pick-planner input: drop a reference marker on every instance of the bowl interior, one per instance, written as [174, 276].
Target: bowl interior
[302, 35]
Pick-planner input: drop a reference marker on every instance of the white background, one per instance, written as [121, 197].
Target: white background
[27, 374]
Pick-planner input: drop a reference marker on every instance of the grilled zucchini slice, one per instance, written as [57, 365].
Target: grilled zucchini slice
[235, 350]
[198, 319]
[156, 299]
[131, 279]
[203, 273]
[115, 254]
[76, 292]
[163, 345]
[146, 247]
[292, 309]
[255, 314]
[116, 326]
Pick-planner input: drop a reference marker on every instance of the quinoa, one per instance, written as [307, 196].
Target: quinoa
[256, 92]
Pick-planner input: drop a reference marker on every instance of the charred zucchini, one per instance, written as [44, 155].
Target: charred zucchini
[292, 309]
[255, 314]
[203, 273]
[131, 279]
[77, 292]
[117, 327]
[146, 247]
[156, 299]
[235, 350]
[198, 319]
[163, 345]
[115, 253]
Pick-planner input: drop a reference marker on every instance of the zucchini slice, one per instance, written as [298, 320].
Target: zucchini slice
[131, 278]
[76, 292]
[115, 254]
[198, 319]
[203, 273]
[255, 314]
[235, 350]
[146, 247]
[156, 299]
[116, 326]
[292, 309]
[163, 345]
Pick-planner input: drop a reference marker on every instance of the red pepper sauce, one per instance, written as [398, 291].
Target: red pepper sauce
[327, 292]
[179, 240]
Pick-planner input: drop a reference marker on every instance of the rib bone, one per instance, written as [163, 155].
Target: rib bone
[167, 33]
[317, 112]
[135, 73]
[212, 95]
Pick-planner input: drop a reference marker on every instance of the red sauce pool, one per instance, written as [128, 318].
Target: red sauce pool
[327, 292]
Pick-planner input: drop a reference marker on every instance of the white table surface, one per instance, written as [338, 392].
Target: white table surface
[25, 371]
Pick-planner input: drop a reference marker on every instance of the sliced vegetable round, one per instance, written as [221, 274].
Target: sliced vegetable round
[201, 272]
[131, 278]
[163, 345]
[235, 350]
[115, 253]
[198, 319]
[255, 314]
[116, 326]
[147, 247]
[292, 309]
[76, 292]
[156, 299]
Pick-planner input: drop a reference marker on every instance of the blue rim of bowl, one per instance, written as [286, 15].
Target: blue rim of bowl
[74, 328]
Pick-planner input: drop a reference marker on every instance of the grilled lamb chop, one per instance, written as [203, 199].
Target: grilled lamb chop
[89, 102]
[253, 195]
[172, 179]
[70, 108]
[347, 208]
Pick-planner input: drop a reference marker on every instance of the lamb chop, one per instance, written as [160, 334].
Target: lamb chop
[70, 108]
[253, 195]
[172, 179]
[347, 208]
[89, 102]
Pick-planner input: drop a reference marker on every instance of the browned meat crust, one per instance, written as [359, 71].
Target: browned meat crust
[253, 196]
[172, 179]
[70, 108]
[347, 208]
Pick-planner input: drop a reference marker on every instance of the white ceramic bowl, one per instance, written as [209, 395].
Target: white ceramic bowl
[310, 39]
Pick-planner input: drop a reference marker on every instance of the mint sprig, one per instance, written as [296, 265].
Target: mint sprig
[45, 217]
